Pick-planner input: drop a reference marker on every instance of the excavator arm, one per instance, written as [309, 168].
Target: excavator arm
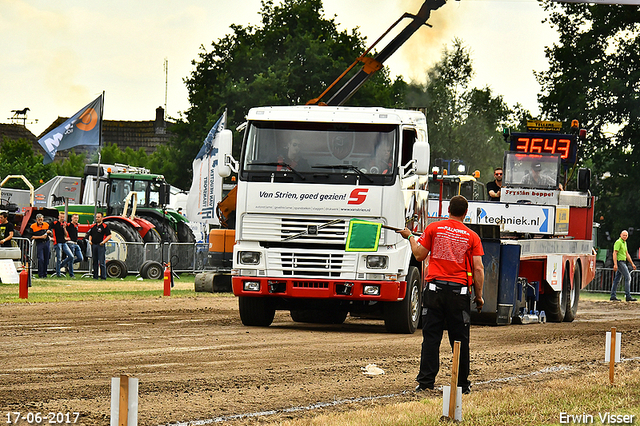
[371, 65]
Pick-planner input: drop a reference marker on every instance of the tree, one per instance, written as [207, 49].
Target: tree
[291, 57]
[464, 123]
[594, 76]
[17, 158]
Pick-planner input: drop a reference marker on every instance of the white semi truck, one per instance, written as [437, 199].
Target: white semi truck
[292, 219]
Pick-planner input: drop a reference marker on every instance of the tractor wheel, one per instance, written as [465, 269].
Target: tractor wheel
[121, 234]
[256, 311]
[167, 234]
[152, 236]
[185, 234]
[403, 317]
[574, 296]
[116, 269]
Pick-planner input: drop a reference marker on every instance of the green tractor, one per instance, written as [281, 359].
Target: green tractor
[132, 199]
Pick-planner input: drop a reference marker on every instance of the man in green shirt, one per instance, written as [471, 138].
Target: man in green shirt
[620, 256]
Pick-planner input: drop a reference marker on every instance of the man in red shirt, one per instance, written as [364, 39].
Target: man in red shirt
[455, 264]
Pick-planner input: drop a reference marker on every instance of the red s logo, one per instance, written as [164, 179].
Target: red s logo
[358, 196]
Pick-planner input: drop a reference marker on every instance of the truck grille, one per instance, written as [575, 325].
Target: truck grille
[312, 264]
[310, 284]
[271, 228]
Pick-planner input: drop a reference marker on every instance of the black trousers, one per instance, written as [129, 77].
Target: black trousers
[450, 305]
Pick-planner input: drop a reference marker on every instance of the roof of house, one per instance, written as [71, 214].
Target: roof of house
[147, 135]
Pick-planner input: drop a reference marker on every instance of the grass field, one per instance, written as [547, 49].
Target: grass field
[76, 289]
[535, 404]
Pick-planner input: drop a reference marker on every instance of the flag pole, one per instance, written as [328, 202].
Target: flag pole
[95, 195]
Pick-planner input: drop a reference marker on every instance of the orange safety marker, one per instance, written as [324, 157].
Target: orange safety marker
[454, 379]
[612, 351]
[452, 395]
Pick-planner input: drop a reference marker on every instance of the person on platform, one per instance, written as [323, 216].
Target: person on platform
[98, 235]
[455, 266]
[6, 230]
[494, 187]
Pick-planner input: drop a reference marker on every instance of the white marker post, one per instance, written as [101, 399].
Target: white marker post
[452, 395]
[124, 401]
[612, 351]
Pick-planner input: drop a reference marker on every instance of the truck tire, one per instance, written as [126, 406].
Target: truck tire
[554, 303]
[256, 311]
[403, 317]
[116, 269]
[574, 296]
[315, 316]
[167, 234]
[185, 234]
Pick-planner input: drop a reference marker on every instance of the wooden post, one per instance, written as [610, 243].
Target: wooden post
[454, 380]
[124, 401]
[612, 355]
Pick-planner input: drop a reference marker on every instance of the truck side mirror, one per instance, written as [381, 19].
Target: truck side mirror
[421, 153]
[584, 179]
[224, 152]
[165, 193]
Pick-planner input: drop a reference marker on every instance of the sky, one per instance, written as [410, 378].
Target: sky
[57, 56]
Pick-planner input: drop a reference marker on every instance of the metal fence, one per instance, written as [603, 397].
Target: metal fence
[184, 257]
[604, 280]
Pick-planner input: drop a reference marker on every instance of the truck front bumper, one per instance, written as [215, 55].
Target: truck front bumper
[308, 288]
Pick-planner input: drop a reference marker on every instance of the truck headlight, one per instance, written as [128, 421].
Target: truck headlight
[251, 286]
[371, 290]
[377, 261]
[249, 257]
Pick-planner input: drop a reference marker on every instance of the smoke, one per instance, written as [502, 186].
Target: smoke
[425, 47]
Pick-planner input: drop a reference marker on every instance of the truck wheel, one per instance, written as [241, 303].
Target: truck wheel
[185, 234]
[315, 316]
[256, 311]
[555, 303]
[167, 234]
[116, 269]
[574, 296]
[403, 317]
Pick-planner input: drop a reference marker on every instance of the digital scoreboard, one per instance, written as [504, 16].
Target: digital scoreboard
[545, 143]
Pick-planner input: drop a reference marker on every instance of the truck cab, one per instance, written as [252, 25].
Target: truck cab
[304, 173]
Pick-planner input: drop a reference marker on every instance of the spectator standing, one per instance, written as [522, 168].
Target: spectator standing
[40, 233]
[620, 257]
[99, 234]
[455, 264]
[61, 237]
[72, 242]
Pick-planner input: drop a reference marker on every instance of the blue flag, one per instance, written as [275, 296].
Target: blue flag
[207, 145]
[82, 129]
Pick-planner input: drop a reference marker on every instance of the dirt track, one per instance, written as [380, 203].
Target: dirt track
[195, 360]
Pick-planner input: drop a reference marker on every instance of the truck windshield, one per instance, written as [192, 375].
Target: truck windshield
[313, 152]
